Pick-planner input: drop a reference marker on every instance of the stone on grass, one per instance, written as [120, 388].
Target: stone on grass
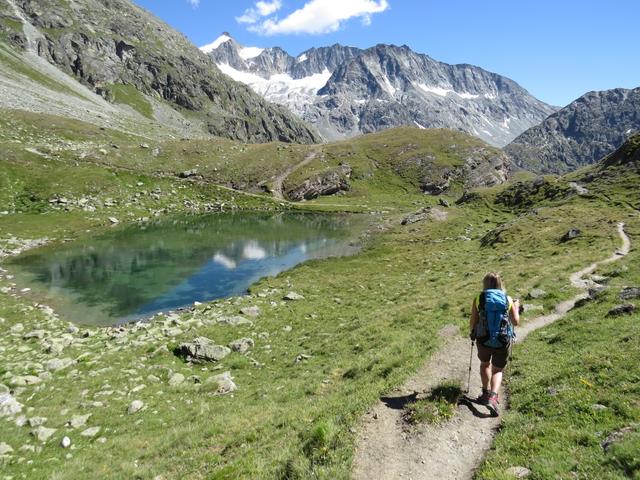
[58, 364]
[617, 436]
[114, 220]
[223, 383]
[176, 379]
[24, 380]
[43, 433]
[135, 407]
[242, 345]
[9, 406]
[629, 293]
[234, 321]
[571, 234]
[536, 293]
[78, 421]
[65, 442]
[39, 334]
[253, 311]
[90, 432]
[623, 309]
[5, 449]
[202, 349]
[519, 472]
[293, 296]
[37, 421]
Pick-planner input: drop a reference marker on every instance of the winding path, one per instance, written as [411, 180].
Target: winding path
[388, 449]
[278, 183]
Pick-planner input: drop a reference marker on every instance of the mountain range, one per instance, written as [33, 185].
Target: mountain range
[347, 91]
[580, 134]
[111, 62]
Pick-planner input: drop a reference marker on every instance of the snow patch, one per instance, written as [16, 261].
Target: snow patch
[302, 58]
[387, 84]
[421, 127]
[215, 44]
[250, 52]
[297, 93]
[444, 91]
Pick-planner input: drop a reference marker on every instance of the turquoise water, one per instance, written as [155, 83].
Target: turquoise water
[140, 270]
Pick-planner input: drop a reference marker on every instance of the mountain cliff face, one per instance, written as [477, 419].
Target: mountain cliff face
[580, 134]
[109, 45]
[345, 91]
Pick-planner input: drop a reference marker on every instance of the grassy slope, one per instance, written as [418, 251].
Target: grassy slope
[366, 322]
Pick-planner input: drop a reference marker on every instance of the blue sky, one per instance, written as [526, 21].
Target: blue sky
[556, 49]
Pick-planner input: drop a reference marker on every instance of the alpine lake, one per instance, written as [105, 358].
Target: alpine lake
[136, 271]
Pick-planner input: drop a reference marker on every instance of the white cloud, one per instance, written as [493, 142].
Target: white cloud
[194, 3]
[261, 9]
[321, 16]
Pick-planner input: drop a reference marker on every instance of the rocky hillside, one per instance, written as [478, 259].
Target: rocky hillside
[580, 134]
[345, 91]
[127, 56]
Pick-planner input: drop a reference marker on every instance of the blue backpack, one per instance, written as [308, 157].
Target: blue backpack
[494, 327]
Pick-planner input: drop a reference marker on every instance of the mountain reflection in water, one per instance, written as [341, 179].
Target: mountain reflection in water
[140, 270]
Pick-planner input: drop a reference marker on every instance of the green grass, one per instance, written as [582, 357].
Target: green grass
[438, 407]
[130, 95]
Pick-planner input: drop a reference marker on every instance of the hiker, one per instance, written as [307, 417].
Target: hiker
[493, 315]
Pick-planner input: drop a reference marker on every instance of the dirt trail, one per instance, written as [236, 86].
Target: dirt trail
[388, 449]
[278, 183]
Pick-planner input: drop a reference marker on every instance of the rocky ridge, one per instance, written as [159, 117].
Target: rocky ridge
[580, 134]
[119, 51]
[345, 91]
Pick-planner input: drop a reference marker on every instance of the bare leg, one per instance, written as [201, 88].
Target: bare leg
[485, 374]
[496, 379]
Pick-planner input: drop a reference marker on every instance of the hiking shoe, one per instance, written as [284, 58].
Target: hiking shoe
[492, 404]
[483, 398]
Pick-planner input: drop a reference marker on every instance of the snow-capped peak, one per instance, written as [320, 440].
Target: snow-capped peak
[216, 43]
[250, 52]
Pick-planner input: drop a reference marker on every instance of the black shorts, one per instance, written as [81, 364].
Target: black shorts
[497, 356]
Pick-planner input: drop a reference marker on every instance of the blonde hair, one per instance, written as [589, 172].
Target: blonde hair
[492, 280]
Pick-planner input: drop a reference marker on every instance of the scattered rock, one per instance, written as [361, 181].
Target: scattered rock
[202, 349]
[570, 235]
[188, 173]
[176, 379]
[629, 293]
[114, 220]
[78, 421]
[623, 309]
[616, 436]
[224, 383]
[536, 293]
[9, 406]
[39, 334]
[242, 345]
[427, 213]
[90, 432]
[66, 442]
[234, 321]
[24, 380]
[253, 311]
[135, 407]
[5, 449]
[293, 296]
[37, 421]
[443, 202]
[43, 433]
[519, 472]
[58, 364]
[598, 407]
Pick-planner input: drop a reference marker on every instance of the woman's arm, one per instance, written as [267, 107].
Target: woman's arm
[514, 313]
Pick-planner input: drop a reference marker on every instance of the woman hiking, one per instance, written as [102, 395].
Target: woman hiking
[493, 315]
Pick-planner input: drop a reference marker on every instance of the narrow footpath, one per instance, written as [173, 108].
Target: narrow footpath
[388, 449]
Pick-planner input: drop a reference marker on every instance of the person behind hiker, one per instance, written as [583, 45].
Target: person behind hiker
[493, 347]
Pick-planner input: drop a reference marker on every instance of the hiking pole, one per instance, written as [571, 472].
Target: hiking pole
[470, 360]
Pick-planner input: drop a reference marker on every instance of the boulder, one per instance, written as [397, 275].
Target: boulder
[427, 213]
[176, 379]
[135, 407]
[58, 364]
[43, 433]
[570, 235]
[624, 309]
[90, 432]
[327, 183]
[252, 311]
[9, 406]
[536, 293]
[78, 421]
[629, 293]
[234, 321]
[5, 449]
[616, 436]
[242, 345]
[65, 442]
[39, 334]
[293, 296]
[519, 472]
[188, 173]
[223, 383]
[202, 349]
